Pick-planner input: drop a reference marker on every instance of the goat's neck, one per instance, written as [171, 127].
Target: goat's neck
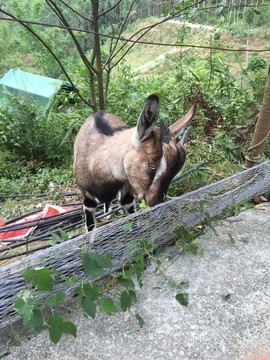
[116, 149]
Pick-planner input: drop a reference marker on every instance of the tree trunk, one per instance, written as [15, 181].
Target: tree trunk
[97, 51]
[262, 130]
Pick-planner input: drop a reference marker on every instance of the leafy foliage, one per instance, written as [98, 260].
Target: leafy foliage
[32, 140]
[182, 298]
[57, 327]
[94, 264]
[41, 305]
[257, 62]
[31, 135]
[43, 312]
[41, 278]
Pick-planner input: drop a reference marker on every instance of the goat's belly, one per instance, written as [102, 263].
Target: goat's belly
[106, 191]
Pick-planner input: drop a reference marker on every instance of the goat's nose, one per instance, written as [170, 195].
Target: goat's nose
[150, 200]
[153, 199]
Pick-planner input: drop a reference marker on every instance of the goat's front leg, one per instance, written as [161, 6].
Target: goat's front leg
[127, 202]
[89, 208]
[108, 208]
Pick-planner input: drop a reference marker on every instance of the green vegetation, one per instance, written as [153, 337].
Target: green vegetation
[43, 307]
[228, 94]
[36, 149]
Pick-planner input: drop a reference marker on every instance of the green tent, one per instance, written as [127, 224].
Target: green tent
[34, 88]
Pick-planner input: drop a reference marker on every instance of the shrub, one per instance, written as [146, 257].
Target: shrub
[257, 62]
[31, 135]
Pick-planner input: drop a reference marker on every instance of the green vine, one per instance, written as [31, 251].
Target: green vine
[42, 306]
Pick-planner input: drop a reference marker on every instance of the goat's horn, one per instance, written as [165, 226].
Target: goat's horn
[185, 137]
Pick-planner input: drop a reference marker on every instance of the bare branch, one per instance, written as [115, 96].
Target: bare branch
[97, 52]
[99, 72]
[62, 18]
[113, 47]
[75, 11]
[133, 41]
[50, 51]
[110, 9]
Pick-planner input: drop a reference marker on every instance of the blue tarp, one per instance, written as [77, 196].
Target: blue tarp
[32, 87]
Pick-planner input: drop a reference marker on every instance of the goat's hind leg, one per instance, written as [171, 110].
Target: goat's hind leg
[89, 208]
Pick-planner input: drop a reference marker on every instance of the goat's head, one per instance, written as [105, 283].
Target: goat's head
[156, 156]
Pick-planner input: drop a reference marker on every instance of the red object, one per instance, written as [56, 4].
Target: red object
[20, 234]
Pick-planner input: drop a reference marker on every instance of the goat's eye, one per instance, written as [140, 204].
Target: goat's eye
[152, 165]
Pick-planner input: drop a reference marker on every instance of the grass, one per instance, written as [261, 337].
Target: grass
[54, 182]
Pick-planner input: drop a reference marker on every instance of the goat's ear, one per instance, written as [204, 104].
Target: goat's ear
[177, 128]
[148, 118]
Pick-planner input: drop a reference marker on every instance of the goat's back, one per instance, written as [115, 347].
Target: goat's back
[98, 146]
